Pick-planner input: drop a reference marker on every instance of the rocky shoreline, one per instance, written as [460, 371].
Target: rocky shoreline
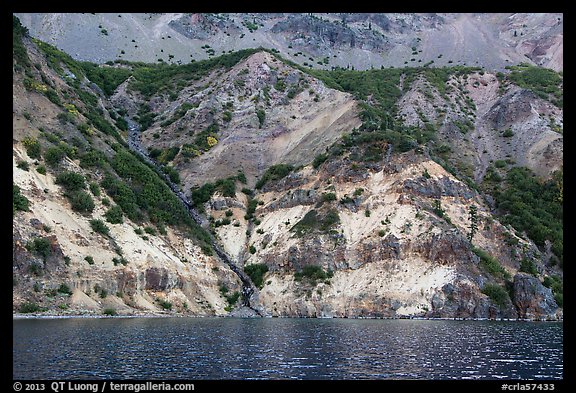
[245, 315]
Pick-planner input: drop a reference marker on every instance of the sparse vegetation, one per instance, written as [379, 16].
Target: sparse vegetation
[313, 221]
[497, 294]
[19, 201]
[99, 226]
[40, 246]
[491, 264]
[275, 172]
[261, 114]
[256, 272]
[312, 274]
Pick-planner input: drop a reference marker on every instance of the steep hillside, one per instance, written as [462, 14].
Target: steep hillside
[246, 179]
[260, 112]
[485, 119]
[85, 237]
[317, 40]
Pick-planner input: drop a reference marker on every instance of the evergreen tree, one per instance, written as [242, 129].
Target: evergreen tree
[473, 217]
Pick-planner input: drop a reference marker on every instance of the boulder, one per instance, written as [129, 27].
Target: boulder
[532, 299]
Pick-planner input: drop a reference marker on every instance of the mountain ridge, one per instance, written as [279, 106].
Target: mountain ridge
[318, 40]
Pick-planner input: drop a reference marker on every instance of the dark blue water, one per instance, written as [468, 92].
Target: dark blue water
[271, 348]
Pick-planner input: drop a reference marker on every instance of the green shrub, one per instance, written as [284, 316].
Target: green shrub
[500, 163]
[89, 259]
[312, 274]
[114, 215]
[65, 289]
[251, 208]
[555, 284]
[313, 221]
[24, 165]
[534, 206]
[19, 201]
[32, 147]
[29, 307]
[275, 172]
[527, 266]
[166, 305]
[150, 230]
[328, 197]
[497, 294]
[544, 82]
[319, 160]
[99, 226]
[93, 158]
[94, 189]
[19, 52]
[71, 181]
[252, 249]
[256, 272]
[490, 264]
[261, 114]
[41, 169]
[54, 155]
[508, 133]
[241, 177]
[119, 261]
[40, 246]
[81, 201]
[109, 312]
[107, 78]
[233, 299]
[35, 268]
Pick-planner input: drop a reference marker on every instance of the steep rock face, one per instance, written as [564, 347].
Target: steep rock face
[532, 299]
[60, 263]
[484, 122]
[383, 253]
[276, 114]
[385, 238]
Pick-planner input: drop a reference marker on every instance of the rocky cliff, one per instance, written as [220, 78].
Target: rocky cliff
[343, 194]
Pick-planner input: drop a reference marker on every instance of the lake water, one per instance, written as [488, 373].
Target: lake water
[284, 348]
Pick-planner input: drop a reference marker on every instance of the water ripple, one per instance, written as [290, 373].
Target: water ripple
[217, 348]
